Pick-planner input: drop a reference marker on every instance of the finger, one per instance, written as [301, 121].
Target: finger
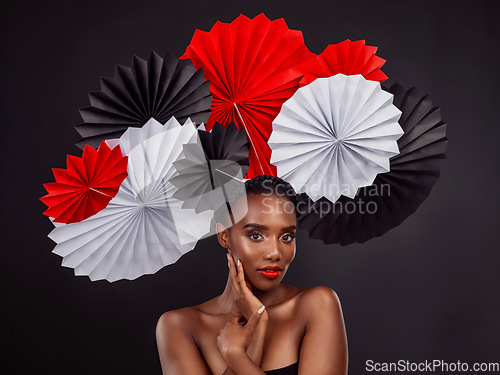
[233, 274]
[237, 318]
[244, 284]
[254, 319]
[241, 276]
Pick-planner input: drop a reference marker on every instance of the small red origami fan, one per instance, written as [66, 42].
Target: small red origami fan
[87, 185]
[348, 58]
[253, 68]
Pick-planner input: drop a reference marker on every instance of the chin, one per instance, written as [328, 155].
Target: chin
[266, 285]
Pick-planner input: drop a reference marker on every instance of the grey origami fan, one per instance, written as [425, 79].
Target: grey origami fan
[211, 170]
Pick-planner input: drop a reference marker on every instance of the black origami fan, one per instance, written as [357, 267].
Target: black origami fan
[207, 174]
[157, 88]
[394, 195]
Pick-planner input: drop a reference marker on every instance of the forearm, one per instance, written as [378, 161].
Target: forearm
[256, 348]
[240, 364]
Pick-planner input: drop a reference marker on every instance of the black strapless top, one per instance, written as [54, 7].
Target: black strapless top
[293, 369]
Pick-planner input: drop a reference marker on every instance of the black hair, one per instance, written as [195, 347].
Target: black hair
[263, 184]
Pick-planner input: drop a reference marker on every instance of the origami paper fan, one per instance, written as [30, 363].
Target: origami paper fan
[394, 195]
[135, 136]
[253, 67]
[348, 58]
[86, 186]
[143, 228]
[209, 170]
[157, 88]
[334, 136]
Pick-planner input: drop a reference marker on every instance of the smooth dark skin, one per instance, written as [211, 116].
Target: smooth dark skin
[297, 324]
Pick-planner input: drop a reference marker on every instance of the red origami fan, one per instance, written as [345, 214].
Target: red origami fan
[87, 185]
[348, 58]
[254, 66]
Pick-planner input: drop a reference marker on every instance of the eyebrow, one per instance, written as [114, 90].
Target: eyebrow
[264, 227]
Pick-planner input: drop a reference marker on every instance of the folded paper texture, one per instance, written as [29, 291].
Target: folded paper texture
[394, 195]
[207, 171]
[347, 58]
[334, 136]
[143, 228]
[87, 184]
[253, 66]
[156, 88]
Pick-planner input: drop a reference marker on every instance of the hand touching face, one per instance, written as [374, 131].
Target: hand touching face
[246, 301]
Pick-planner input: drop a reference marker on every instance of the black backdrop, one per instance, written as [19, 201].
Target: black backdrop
[428, 289]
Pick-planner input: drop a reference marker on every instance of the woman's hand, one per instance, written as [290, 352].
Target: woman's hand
[247, 303]
[235, 338]
[245, 300]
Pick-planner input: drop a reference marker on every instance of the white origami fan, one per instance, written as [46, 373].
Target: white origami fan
[143, 228]
[334, 136]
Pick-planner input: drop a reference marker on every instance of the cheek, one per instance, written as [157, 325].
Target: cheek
[240, 247]
[248, 252]
[290, 254]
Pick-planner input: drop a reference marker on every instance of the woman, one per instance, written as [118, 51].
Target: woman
[257, 324]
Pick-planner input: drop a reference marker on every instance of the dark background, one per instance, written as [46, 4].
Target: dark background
[426, 290]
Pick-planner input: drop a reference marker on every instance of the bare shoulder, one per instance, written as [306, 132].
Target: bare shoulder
[319, 300]
[319, 293]
[177, 348]
[176, 321]
[323, 348]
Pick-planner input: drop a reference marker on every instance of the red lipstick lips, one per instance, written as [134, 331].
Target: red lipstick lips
[270, 272]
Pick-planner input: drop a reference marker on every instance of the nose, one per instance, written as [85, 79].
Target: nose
[273, 252]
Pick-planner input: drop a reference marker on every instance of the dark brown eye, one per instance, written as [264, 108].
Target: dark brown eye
[290, 237]
[254, 236]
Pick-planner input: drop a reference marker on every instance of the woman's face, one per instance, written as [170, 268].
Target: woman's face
[264, 240]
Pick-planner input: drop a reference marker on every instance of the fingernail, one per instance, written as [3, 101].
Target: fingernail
[239, 262]
[261, 310]
[228, 264]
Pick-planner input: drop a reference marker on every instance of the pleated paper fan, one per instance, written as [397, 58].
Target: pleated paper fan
[253, 67]
[158, 88]
[347, 58]
[86, 186]
[143, 228]
[208, 171]
[394, 195]
[334, 136]
[135, 136]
